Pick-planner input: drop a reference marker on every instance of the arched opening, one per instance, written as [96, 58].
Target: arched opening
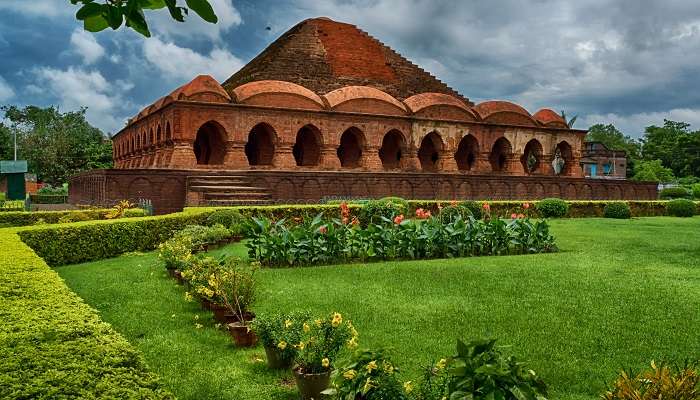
[307, 148]
[393, 146]
[151, 137]
[429, 152]
[566, 153]
[350, 149]
[260, 148]
[500, 155]
[466, 154]
[168, 133]
[159, 136]
[210, 144]
[532, 157]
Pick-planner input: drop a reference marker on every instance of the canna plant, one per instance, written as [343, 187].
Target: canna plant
[661, 382]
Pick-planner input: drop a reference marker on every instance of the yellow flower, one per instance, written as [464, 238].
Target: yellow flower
[388, 368]
[441, 364]
[408, 386]
[198, 326]
[337, 320]
[325, 363]
[318, 322]
[307, 328]
[301, 345]
[371, 366]
[196, 317]
[352, 343]
[188, 297]
[350, 374]
[282, 345]
[368, 385]
[288, 323]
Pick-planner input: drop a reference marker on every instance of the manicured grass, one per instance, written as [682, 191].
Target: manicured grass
[620, 293]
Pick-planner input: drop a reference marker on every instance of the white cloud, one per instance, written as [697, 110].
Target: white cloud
[76, 88]
[163, 25]
[634, 124]
[184, 64]
[85, 44]
[41, 8]
[6, 91]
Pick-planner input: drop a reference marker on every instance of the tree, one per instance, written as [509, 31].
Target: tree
[6, 143]
[98, 15]
[57, 145]
[569, 122]
[652, 171]
[675, 145]
[613, 139]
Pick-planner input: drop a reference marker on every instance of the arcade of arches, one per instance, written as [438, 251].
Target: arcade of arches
[352, 149]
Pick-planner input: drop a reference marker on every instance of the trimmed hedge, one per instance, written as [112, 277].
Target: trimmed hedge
[48, 198]
[94, 240]
[53, 345]
[682, 208]
[552, 208]
[24, 218]
[678, 192]
[619, 210]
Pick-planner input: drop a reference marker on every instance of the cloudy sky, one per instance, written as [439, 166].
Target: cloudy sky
[628, 62]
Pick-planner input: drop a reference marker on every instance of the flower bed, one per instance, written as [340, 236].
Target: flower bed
[53, 345]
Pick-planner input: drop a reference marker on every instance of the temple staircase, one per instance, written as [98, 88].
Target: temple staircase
[225, 190]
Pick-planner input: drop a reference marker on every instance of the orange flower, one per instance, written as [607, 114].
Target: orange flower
[521, 215]
[323, 229]
[486, 207]
[355, 221]
[398, 219]
[513, 216]
[454, 203]
[526, 205]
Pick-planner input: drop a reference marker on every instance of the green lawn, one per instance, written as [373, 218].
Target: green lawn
[620, 293]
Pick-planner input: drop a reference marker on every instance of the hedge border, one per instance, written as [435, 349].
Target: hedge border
[53, 345]
[25, 218]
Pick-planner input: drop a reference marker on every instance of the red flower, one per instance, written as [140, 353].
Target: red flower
[513, 216]
[323, 229]
[521, 215]
[355, 221]
[398, 219]
[345, 220]
[454, 203]
[486, 207]
[526, 205]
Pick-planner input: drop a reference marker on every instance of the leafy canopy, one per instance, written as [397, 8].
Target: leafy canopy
[100, 15]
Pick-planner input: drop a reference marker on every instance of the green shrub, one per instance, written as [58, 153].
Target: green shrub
[681, 208]
[2, 196]
[228, 217]
[463, 210]
[678, 192]
[552, 208]
[349, 381]
[25, 218]
[696, 191]
[53, 345]
[388, 207]
[619, 209]
[95, 240]
[11, 205]
[661, 382]
[53, 190]
[48, 198]
[474, 208]
[281, 331]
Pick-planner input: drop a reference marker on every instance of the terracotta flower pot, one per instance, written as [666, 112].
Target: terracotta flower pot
[275, 360]
[311, 385]
[171, 272]
[242, 335]
[178, 277]
[206, 304]
[224, 315]
[235, 239]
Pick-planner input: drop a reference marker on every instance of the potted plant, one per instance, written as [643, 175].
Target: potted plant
[367, 375]
[279, 333]
[175, 253]
[197, 273]
[234, 285]
[321, 342]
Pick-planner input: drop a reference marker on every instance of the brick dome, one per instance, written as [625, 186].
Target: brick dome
[351, 93]
[548, 117]
[499, 111]
[273, 92]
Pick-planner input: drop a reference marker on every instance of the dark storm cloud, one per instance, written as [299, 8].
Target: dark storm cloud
[628, 62]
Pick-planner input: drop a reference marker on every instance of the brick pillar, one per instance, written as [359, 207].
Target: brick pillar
[370, 159]
[447, 162]
[165, 156]
[329, 157]
[575, 169]
[235, 157]
[284, 158]
[514, 166]
[157, 158]
[182, 155]
[482, 164]
[546, 167]
[410, 162]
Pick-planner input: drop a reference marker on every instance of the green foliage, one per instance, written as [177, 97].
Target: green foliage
[7, 206]
[696, 191]
[229, 218]
[24, 218]
[51, 190]
[661, 382]
[234, 285]
[366, 375]
[176, 252]
[74, 243]
[389, 207]
[57, 145]
[681, 208]
[53, 345]
[552, 208]
[321, 343]
[613, 139]
[281, 331]
[677, 192]
[200, 236]
[675, 145]
[463, 210]
[48, 198]
[326, 242]
[652, 171]
[619, 210]
[98, 16]
[479, 371]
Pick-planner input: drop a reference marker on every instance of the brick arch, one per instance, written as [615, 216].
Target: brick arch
[151, 136]
[467, 152]
[311, 189]
[159, 134]
[501, 153]
[307, 147]
[567, 153]
[168, 132]
[393, 149]
[285, 190]
[260, 146]
[429, 151]
[532, 157]
[352, 141]
[210, 144]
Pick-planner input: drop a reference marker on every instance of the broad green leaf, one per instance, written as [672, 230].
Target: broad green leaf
[89, 10]
[114, 17]
[95, 24]
[203, 9]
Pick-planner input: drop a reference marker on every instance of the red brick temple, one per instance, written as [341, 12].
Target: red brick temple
[328, 111]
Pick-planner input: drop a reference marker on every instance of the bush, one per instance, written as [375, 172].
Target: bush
[53, 190]
[322, 341]
[25, 218]
[48, 198]
[463, 210]
[229, 218]
[388, 207]
[53, 345]
[620, 210]
[681, 208]
[661, 382]
[11, 205]
[678, 192]
[75, 243]
[474, 208]
[201, 236]
[350, 380]
[552, 208]
[281, 331]
[696, 191]
[234, 285]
